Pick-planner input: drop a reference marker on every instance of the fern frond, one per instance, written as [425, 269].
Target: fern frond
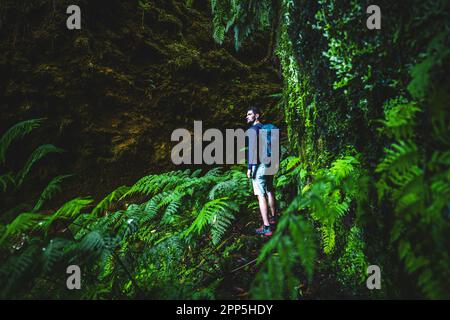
[5, 180]
[16, 132]
[153, 184]
[70, 210]
[221, 221]
[303, 238]
[222, 188]
[25, 222]
[243, 16]
[15, 268]
[196, 173]
[92, 243]
[399, 157]
[214, 172]
[295, 246]
[52, 188]
[342, 168]
[270, 282]
[206, 215]
[151, 207]
[170, 214]
[399, 118]
[289, 163]
[439, 158]
[108, 201]
[37, 155]
[328, 237]
[54, 252]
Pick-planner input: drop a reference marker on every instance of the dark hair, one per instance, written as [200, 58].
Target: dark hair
[254, 110]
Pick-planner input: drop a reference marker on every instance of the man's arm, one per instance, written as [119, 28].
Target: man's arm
[252, 151]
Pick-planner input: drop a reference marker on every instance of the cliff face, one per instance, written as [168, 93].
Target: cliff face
[114, 91]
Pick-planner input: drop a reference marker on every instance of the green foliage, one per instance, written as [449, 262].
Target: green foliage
[153, 247]
[16, 180]
[16, 132]
[244, 16]
[366, 178]
[399, 158]
[50, 190]
[70, 209]
[292, 245]
[399, 115]
[25, 222]
[5, 180]
[37, 155]
[333, 74]
[418, 197]
[435, 54]
[16, 269]
[219, 214]
[106, 203]
[329, 197]
[353, 261]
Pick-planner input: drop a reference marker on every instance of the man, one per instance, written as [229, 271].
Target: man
[262, 183]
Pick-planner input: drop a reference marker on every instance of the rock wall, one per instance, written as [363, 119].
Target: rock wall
[114, 91]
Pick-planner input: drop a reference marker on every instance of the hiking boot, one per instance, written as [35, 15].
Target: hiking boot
[264, 230]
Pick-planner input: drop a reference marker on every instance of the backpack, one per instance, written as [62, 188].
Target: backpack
[271, 139]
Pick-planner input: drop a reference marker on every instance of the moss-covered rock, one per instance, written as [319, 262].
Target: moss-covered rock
[116, 89]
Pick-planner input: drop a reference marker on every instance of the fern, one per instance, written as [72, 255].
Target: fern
[292, 244]
[222, 188]
[399, 157]
[399, 118]
[15, 269]
[25, 222]
[106, 203]
[303, 237]
[289, 163]
[342, 168]
[152, 207]
[52, 188]
[221, 221]
[5, 180]
[170, 216]
[16, 132]
[418, 187]
[244, 16]
[153, 184]
[96, 244]
[328, 237]
[70, 210]
[37, 155]
[54, 253]
[269, 284]
[208, 212]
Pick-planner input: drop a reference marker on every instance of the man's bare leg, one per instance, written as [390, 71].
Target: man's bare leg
[272, 204]
[263, 208]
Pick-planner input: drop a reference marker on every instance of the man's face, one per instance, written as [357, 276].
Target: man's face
[251, 117]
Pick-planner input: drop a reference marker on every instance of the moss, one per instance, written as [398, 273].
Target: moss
[116, 89]
[183, 57]
[169, 22]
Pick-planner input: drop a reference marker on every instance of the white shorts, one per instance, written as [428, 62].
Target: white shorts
[262, 183]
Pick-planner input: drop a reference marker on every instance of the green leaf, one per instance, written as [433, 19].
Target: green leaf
[37, 155]
[52, 188]
[16, 132]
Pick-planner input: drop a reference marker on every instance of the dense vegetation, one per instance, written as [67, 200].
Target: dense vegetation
[364, 180]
